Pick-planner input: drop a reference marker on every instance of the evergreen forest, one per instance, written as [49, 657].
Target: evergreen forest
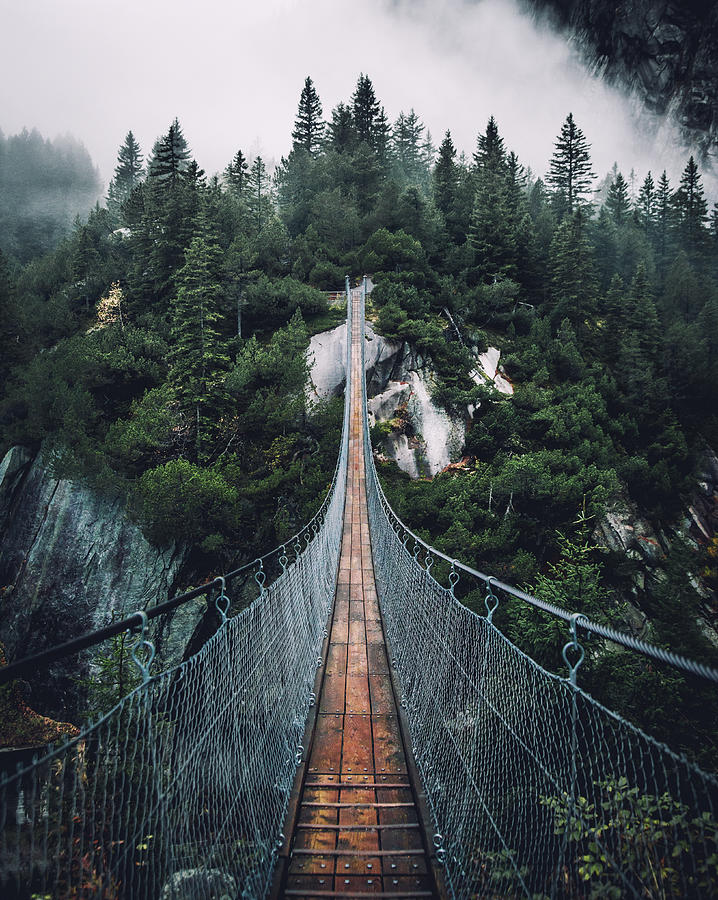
[157, 351]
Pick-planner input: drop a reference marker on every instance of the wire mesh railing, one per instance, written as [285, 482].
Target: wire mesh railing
[534, 789]
[181, 790]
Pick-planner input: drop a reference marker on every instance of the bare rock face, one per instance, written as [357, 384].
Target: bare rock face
[703, 508]
[662, 51]
[70, 562]
[399, 383]
[327, 354]
[624, 530]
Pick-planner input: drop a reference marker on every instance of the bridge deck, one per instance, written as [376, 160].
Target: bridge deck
[357, 829]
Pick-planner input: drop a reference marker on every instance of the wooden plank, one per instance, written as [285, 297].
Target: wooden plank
[336, 659]
[378, 663]
[388, 748]
[327, 747]
[333, 694]
[357, 694]
[397, 827]
[356, 608]
[374, 633]
[322, 811]
[375, 804]
[357, 659]
[370, 854]
[361, 781]
[302, 885]
[357, 632]
[357, 743]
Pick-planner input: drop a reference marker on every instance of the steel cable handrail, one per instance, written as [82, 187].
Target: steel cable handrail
[91, 638]
[576, 619]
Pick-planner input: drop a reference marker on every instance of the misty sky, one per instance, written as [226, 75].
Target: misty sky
[232, 72]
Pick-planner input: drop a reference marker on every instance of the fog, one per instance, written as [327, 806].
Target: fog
[232, 72]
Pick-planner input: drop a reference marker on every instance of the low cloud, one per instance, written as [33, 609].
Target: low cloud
[233, 73]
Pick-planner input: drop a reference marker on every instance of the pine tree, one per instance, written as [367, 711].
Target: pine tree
[86, 265]
[492, 234]
[128, 174]
[570, 173]
[492, 229]
[573, 281]
[296, 188]
[309, 127]
[714, 223]
[646, 205]
[664, 220]
[605, 246]
[708, 328]
[515, 187]
[691, 208]
[618, 203]
[406, 145]
[490, 155]
[614, 308]
[382, 138]
[365, 109]
[259, 198]
[445, 177]
[170, 156]
[175, 189]
[342, 133]
[641, 314]
[428, 153]
[237, 175]
[12, 331]
[198, 360]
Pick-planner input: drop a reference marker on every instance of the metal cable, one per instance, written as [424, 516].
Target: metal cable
[588, 625]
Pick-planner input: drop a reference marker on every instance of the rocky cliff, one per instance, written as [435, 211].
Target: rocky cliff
[419, 435]
[665, 53]
[70, 562]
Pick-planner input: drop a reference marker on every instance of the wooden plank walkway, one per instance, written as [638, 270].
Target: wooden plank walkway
[357, 829]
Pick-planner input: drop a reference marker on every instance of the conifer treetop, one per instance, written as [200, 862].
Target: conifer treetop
[570, 174]
[309, 126]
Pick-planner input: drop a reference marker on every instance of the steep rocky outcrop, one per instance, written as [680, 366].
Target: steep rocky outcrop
[625, 530]
[423, 439]
[665, 53]
[71, 561]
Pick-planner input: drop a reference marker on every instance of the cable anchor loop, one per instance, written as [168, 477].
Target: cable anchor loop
[283, 559]
[143, 643]
[440, 849]
[576, 647]
[221, 603]
[490, 600]
[453, 578]
[260, 576]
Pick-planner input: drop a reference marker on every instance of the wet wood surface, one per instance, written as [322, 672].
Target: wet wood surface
[357, 830]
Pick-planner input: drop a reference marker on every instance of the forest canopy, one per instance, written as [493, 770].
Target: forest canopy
[159, 351]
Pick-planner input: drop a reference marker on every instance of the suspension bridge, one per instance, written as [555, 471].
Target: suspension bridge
[355, 730]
